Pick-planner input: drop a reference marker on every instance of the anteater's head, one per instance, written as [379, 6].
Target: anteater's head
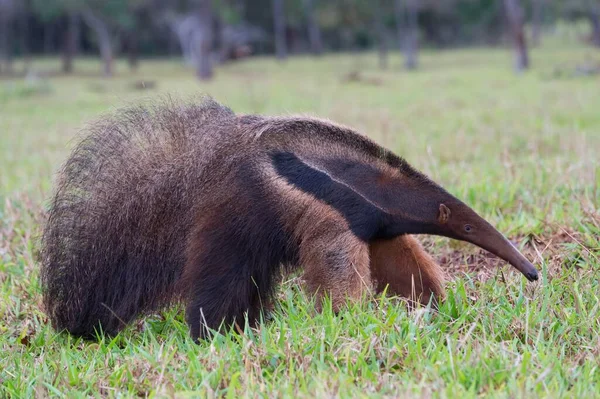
[456, 220]
[379, 194]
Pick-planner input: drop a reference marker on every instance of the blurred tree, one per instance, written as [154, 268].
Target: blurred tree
[314, 31]
[212, 32]
[205, 40]
[295, 26]
[241, 27]
[100, 27]
[594, 15]
[70, 41]
[8, 9]
[132, 30]
[234, 36]
[536, 21]
[50, 12]
[135, 21]
[406, 12]
[382, 44]
[24, 14]
[279, 29]
[101, 16]
[584, 9]
[516, 21]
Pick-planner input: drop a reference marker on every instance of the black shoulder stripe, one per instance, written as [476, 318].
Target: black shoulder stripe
[363, 217]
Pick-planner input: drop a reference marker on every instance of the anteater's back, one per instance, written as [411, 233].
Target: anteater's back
[113, 245]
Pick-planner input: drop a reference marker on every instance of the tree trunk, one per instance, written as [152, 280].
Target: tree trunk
[3, 43]
[5, 48]
[516, 22]
[279, 25]
[103, 36]
[132, 51]
[407, 25]
[381, 37]
[25, 37]
[595, 22]
[70, 43]
[184, 29]
[49, 38]
[314, 31]
[220, 43]
[537, 17]
[399, 15]
[204, 40]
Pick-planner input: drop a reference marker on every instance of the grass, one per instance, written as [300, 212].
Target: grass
[521, 149]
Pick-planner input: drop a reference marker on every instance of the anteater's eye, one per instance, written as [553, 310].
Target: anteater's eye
[468, 228]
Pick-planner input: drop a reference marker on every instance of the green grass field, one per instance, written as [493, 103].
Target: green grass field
[520, 149]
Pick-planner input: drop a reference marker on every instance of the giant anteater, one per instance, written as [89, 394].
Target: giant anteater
[194, 203]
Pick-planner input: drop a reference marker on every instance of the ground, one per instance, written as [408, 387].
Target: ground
[520, 149]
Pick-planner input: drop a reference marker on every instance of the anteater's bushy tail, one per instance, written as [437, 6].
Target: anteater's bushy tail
[114, 242]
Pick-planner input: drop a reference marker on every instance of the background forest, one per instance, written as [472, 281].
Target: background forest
[211, 32]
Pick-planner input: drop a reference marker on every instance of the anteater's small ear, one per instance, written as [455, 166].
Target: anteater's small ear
[444, 214]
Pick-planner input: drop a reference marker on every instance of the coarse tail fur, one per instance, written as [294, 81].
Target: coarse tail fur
[193, 203]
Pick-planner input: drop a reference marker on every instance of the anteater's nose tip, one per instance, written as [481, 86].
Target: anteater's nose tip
[532, 276]
[528, 270]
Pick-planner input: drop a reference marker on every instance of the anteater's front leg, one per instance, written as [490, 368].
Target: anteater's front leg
[403, 267]
[335, 261]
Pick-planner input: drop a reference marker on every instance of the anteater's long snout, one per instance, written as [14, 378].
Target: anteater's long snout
[511, 254]
[497, 244]
[525, 267]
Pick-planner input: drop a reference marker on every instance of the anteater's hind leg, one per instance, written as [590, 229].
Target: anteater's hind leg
[335, 261]
[222, 287]
[403, 267]
[219, 302]
[231, 257]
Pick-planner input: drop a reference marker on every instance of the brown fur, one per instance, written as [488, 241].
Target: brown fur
[401, 267]
[193, 203]
[335, 261]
